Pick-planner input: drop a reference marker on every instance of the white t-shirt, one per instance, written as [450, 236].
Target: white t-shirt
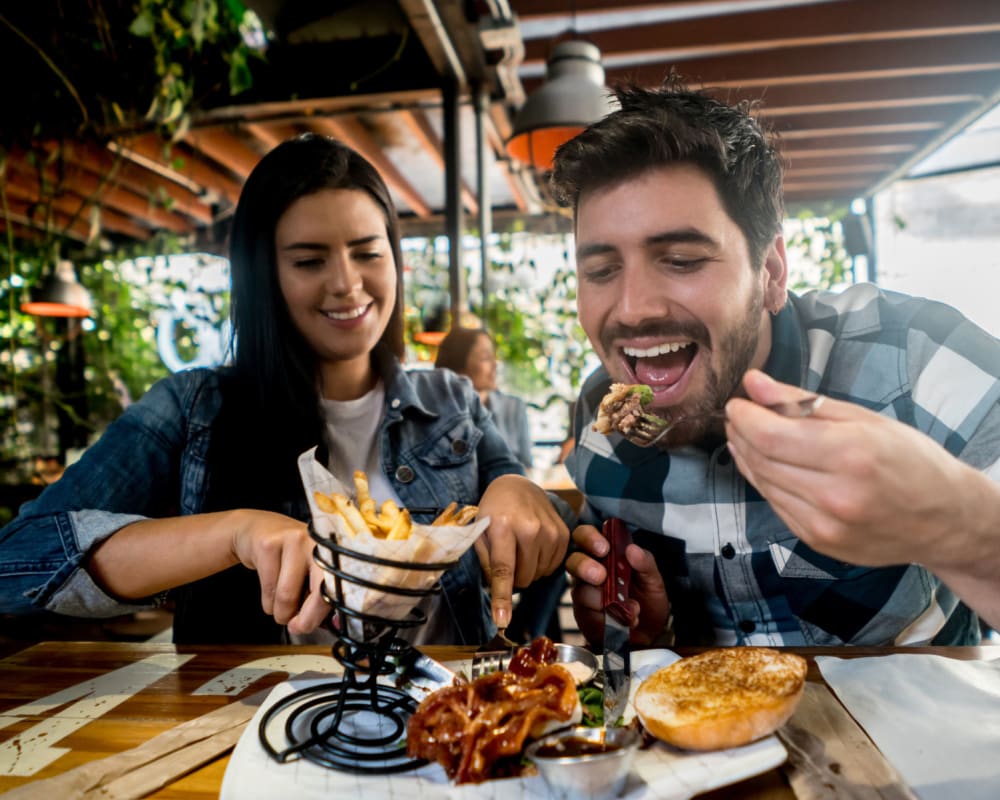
[353, 443]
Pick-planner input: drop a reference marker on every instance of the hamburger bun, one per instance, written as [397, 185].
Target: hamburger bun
[721, 698]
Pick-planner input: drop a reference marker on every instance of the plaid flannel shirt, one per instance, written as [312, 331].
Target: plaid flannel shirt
[735, 573]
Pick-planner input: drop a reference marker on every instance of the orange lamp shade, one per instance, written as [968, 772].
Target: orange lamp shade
[538, 147]
[431, 338]
[44, 309]
[572, 97]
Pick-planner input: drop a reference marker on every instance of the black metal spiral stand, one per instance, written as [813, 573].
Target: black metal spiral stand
[358, 723]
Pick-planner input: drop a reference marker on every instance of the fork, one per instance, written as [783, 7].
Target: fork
[490, 657]
[649, 428]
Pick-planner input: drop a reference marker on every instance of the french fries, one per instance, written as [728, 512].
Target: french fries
[388, 522]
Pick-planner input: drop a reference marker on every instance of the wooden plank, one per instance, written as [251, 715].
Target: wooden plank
[830, 757]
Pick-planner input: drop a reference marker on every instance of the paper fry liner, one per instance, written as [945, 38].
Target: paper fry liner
[426, 544]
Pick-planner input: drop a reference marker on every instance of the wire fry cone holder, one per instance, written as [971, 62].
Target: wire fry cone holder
[358, 722]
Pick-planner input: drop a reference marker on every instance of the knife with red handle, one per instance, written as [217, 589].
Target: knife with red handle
[617, 661]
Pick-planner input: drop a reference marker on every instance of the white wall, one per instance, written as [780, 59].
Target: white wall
[949, 246]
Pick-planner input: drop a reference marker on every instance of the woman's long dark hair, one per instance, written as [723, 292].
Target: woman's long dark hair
[269, 352]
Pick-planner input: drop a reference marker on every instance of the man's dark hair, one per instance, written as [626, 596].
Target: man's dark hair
[672, 125]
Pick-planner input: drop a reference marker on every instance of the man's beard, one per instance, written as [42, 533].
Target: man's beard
[737, 349]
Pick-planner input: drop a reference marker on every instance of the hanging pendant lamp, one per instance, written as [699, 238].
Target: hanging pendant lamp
[60, 295]
[572, 97]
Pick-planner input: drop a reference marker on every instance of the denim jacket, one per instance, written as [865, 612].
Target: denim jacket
[438, 444]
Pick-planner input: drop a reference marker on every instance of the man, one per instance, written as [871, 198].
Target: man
[876, 520]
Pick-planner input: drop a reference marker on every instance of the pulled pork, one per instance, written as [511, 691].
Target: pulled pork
[477, 730]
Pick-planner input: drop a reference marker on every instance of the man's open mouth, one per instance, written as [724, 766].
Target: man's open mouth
[661, 366]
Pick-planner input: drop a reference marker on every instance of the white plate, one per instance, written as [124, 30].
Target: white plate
[660, 772]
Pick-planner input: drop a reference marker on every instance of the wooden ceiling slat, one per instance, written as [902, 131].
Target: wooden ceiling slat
[418, 124]
[908, 139]
[179, 163]
[30, 215]
[74, 206]
[862, 61]
[774, 100]
[848, 150]
[805, 26]
[87, 185]
[134, 177]
[352, 133]
[868, 168]
[560, 9]
[890, 107]
[267, 135]
[84, 187]
[223, 147]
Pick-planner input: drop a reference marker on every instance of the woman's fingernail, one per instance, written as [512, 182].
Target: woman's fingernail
[502, 617]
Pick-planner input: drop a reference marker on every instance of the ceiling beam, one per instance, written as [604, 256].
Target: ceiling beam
[87, 185]
[930, 89]
[76, 207]
[58, 222]
[182, 167]
[420, 126]
[558, 9]
[352, 133]
[120, 170]
[805, 26]
[224, 147]
[827, 63]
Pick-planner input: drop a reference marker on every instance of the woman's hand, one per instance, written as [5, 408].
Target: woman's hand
[648, 602]
[154, 555]
[279, 549]
[526, 539]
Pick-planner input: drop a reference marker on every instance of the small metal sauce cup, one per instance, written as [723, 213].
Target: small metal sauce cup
[570, 653]
[596, 776]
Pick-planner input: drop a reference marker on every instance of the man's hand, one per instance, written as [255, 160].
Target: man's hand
[648, 602]
[280, 550]
[858, 486]
[526, 539]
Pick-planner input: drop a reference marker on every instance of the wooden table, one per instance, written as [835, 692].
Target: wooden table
[66, 704]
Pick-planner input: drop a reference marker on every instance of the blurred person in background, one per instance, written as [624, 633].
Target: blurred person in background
[471, 352]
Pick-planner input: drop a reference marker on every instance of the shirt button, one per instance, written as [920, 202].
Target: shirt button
[404, 474]
[394, 403]
[728, 551]
[747, 626]
[459, 446]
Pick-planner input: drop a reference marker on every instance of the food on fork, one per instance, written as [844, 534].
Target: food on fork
[721, 698]
[622, 408]
[478, 730]
[388, 522]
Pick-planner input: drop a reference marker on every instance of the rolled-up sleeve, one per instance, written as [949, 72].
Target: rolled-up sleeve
[50, 575]
[131, 473]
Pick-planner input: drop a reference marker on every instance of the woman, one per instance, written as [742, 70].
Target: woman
[195, 489]
[471, 352]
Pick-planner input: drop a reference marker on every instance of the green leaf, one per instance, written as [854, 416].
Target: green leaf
[142, 25]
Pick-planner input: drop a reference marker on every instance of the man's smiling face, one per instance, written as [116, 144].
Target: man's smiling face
[667, 293]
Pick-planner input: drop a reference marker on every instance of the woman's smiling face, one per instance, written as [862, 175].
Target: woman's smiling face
[338, 279]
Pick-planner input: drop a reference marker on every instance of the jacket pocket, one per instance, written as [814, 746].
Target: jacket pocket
[455, 446]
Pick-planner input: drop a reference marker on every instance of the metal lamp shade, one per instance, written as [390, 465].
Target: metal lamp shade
[572, 97]
[61, 295]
